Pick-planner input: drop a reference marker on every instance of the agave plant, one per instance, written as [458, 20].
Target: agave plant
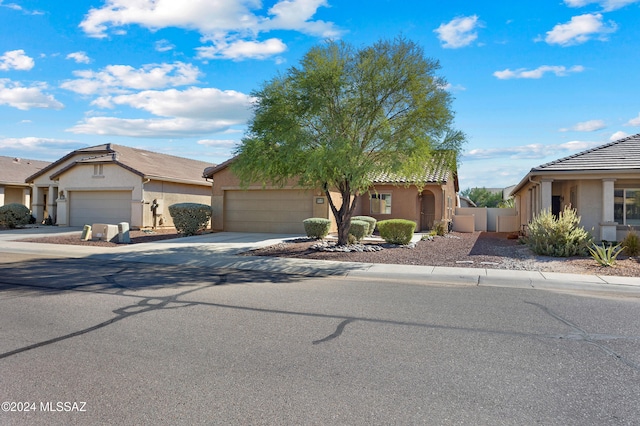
[605, 254]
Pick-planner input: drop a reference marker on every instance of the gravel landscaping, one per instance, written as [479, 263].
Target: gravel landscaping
[467, 250]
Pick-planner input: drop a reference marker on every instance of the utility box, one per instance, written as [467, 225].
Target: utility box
[123, 233]
[86, 233]
[104, 232]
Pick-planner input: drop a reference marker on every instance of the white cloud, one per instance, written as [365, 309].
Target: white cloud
[618, 135]
[150, 128]
[16, 60]
[24, 98]
[164, 45]
[532, 151]
[194, 111]
[219, 143]
[121, 78]
[539, 72]
[34, 143]
[607, 5]
[225, 22]
[587, 126]
[458, 32]
[79, 57]
[195, 102]
[634, 121]
[580, 29]
[241, 49]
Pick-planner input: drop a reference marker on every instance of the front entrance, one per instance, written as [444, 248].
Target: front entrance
[427, 211]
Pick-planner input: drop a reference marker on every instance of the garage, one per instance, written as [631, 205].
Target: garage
[273, 211]
[88, 207]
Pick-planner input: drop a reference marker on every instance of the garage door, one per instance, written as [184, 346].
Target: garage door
[88, 207]
[274, 211]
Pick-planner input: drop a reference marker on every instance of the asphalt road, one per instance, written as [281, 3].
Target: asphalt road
[88, 342]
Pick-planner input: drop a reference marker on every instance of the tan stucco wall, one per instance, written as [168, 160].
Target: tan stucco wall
[169, 193]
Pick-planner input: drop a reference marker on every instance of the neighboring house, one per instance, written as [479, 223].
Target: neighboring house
[282, 210]
[113, 183]
[13, 172]
[602, 184]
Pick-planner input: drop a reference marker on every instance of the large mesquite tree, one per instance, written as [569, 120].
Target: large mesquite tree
[344, 114]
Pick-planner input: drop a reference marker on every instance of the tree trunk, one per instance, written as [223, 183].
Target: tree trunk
[342, 215]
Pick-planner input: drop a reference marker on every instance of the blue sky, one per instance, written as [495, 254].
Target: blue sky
[533, 81]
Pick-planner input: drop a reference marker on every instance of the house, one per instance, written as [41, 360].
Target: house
[113, 183]
[602, 184]
[282, 210]
[13, 172]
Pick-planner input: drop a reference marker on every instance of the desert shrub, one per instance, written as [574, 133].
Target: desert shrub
[316, 227]
[605, 254]
[14, 215]
[358, 228]
[558, 236]
[440, 227]
[397, 231]
[190, 218]
[370, 220]
[631, 244]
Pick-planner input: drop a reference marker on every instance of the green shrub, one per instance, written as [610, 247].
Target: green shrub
[358, 228]
[397, 231]
[631, 244]
[316, 227]
[190, 218]
[14, 215]
[606, 254]
[558, 236]
[440, 227]
[370, 220]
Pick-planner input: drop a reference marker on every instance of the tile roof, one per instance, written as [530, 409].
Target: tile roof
[623, 154]
[16, 170]
[437, 170]
[147, 164]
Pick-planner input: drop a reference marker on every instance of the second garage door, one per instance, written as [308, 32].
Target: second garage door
[88, 207]
[273, 211]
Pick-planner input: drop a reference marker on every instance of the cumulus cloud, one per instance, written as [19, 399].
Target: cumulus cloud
[607, 5]
[634, 121]
[222, 23]
[587, 126]
[30, 143]
[24, 98]
[618, 135]
[539, 72]
[458, 32]
[79, 57]
[241, 49]
[580, 29]
[122, 78]
[16, 60]
[191, 112]
[532, 151]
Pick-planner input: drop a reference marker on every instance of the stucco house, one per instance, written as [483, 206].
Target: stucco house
[282, 210]
[13, 172]
[113, 183]
[602, 184]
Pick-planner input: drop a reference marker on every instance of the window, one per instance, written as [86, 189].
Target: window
[626, 206]
[97, 170]
[380, 203]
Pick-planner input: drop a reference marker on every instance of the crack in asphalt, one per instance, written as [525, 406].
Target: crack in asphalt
[582, 335]
[149, 304]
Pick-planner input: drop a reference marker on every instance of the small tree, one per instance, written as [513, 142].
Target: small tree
[344, 114]
[482, 197]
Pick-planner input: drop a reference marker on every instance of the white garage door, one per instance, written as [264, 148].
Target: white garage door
[274, 211]
[88, 207]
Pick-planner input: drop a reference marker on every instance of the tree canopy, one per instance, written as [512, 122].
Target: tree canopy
[345, 113]
[482, 197]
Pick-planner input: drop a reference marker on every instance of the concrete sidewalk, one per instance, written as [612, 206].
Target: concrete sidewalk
[221, 250]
